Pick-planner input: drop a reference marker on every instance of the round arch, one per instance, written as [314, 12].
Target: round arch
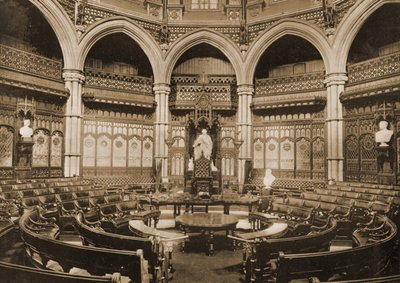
[349, 28]
[122, 25]
[63, 28]
[208, 36]
[294, 27]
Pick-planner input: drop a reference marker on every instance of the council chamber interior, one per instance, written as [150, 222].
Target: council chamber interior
[199, 140]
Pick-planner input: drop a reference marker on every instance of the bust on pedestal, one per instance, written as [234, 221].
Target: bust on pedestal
[24, 151]
[383, 136]
[25, 131]
[385, 152]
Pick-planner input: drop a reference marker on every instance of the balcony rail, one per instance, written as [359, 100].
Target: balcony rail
[290, 84]
[375, 68]
[30, 63]
[127, 83]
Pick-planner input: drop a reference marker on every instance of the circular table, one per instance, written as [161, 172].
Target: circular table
[207, 222]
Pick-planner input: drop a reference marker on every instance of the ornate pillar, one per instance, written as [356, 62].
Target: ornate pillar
[74, 80]
[161, 92]
[334, 122]
[244, 127]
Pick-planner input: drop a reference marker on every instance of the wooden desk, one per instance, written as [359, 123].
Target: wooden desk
[209, 222]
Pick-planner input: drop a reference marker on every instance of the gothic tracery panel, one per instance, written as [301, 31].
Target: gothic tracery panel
[103, 158]
[258, 148]
[119, 152]
[40, 150]
[134, 152]
[147, 152]
[303, 154]
[89, 151]
[6, 146]
[287, 154]
[56, 149]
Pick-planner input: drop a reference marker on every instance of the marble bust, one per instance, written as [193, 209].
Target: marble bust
[268, 179]
[26, 131]
[203, 144]
[384, 135]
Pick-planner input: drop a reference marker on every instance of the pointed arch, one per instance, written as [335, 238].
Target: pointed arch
[208, 36]
[63, 29]
[122, 25]
[349, 28]
[294, 27]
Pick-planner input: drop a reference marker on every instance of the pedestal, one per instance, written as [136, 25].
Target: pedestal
[385, 161]
[24, 158]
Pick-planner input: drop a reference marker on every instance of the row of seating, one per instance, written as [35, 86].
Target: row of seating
[94, 233]
[367, 196]
[47, 251]
[389, 190]
[367, 260]
[263, 250]
[15, 273]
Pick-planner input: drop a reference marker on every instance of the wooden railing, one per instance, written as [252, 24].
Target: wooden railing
[290, 84]
[30, 63]
[127, 83]
[375, 68]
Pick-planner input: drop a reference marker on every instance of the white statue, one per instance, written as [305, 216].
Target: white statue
[268, 179]
[203, 144]
[26, 131]
[384, 135]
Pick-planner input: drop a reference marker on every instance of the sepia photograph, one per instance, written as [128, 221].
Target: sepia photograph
[194, 141]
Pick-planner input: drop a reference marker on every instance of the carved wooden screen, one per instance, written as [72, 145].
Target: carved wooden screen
[227, 151]
[56, 149]
[116, 148]
[40, 150]
[178, 150]
[6, 146]
[293, 146]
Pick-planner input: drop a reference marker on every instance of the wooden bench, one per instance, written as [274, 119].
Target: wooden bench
[367, 260]
[97, 261]
[98, 237]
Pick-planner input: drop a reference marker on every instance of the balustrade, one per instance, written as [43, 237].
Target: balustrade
[375, 68]
[136, 84]
[288, 84]
[27, 62]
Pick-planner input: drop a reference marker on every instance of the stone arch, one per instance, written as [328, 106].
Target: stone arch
[294, 27]
[211, 37]
[349, 28]
[63, 28]
[122, 25]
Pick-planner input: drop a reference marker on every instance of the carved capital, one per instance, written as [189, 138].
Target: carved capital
[335, 79]
[161, 88]
[73, 75]
[245, 89]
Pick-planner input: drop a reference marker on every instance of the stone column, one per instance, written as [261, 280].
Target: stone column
[74, 80]
[161, 92]
[244, 127]
[334, 125]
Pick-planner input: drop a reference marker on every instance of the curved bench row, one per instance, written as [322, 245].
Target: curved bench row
[92, 233]
[42, 245]
[258, 251]
[14, 273]
[366, 260]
